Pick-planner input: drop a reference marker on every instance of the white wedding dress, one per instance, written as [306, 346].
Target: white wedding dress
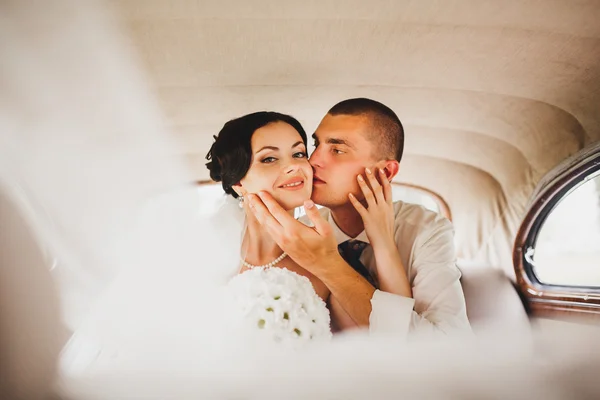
[208, 301]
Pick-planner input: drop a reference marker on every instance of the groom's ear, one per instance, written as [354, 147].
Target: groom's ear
[390, 167]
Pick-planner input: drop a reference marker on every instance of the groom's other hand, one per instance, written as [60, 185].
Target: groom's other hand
[311, 248]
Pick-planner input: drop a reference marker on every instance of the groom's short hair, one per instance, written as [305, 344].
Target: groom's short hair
[386, 129]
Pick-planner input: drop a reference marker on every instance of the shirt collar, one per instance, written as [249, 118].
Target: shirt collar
[340, 236]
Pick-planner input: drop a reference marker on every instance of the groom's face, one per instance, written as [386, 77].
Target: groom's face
[343, 149]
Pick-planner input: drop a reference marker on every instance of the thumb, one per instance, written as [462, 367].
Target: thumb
[312, 212]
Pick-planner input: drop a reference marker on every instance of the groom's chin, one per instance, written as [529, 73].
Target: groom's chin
[318, 195]
[325, 198]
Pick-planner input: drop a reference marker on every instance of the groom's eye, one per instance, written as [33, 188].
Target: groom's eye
[268, 160]
[337, 151]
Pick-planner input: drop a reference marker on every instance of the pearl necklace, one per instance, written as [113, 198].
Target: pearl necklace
[271, 264]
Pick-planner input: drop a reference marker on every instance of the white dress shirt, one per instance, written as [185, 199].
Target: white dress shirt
[425, 241]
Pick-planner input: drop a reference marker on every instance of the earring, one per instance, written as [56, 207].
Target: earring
[241, 201]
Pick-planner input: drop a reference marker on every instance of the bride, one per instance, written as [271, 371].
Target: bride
[266, 151]
[207, 285]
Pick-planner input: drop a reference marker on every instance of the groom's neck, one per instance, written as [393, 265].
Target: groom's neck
[348, 220]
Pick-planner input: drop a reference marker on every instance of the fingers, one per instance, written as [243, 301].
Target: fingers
[278, 212]
[367, 192]
[320, 224]
[358, 206]
[263, 215]
[375, 186]
[387, 186]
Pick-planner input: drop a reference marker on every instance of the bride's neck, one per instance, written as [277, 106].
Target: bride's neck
[258, 247]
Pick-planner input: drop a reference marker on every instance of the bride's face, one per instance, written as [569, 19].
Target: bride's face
[279, 165]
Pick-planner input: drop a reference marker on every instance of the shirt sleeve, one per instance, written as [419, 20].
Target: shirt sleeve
[438, 305]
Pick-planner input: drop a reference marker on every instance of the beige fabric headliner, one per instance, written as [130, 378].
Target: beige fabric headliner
[493, 94]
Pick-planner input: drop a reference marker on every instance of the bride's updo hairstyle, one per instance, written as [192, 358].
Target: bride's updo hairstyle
[231, 154]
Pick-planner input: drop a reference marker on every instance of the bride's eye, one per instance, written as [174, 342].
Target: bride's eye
[268, 160]
[300, 154]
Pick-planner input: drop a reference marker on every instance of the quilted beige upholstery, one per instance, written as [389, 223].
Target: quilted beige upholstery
[493, 94]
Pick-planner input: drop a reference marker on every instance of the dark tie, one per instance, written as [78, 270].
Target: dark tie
[350, 250]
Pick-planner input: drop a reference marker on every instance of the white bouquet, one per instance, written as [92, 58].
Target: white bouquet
[280, 305]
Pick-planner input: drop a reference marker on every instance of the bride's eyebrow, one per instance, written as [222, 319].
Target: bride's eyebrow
[277, 148]
[267, 148]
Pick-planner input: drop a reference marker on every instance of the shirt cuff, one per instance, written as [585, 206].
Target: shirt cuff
[390, 314]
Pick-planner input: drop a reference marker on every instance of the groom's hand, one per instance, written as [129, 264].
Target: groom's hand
[315, 249]
[311, 248]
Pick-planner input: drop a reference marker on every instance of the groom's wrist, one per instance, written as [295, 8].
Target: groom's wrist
[321, 261]
[334, 267]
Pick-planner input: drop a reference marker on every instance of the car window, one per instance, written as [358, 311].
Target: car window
[567, 247]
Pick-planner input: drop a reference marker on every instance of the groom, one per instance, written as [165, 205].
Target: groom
[389, 266]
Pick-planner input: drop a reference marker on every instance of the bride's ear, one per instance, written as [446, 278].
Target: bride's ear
[238, 189]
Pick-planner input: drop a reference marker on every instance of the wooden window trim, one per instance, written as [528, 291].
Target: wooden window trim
[552, 300]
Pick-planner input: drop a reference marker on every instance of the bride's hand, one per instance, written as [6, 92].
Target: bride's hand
[378, 219]
[378, 216]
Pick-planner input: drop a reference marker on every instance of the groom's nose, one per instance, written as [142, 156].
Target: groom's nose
[316, 159]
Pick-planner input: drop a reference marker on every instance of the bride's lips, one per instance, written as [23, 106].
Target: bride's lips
[292, 184]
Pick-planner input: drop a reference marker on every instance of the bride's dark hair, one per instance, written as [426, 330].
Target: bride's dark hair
[231, 153]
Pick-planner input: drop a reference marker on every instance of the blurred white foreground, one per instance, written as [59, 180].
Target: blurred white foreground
[81, 172]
